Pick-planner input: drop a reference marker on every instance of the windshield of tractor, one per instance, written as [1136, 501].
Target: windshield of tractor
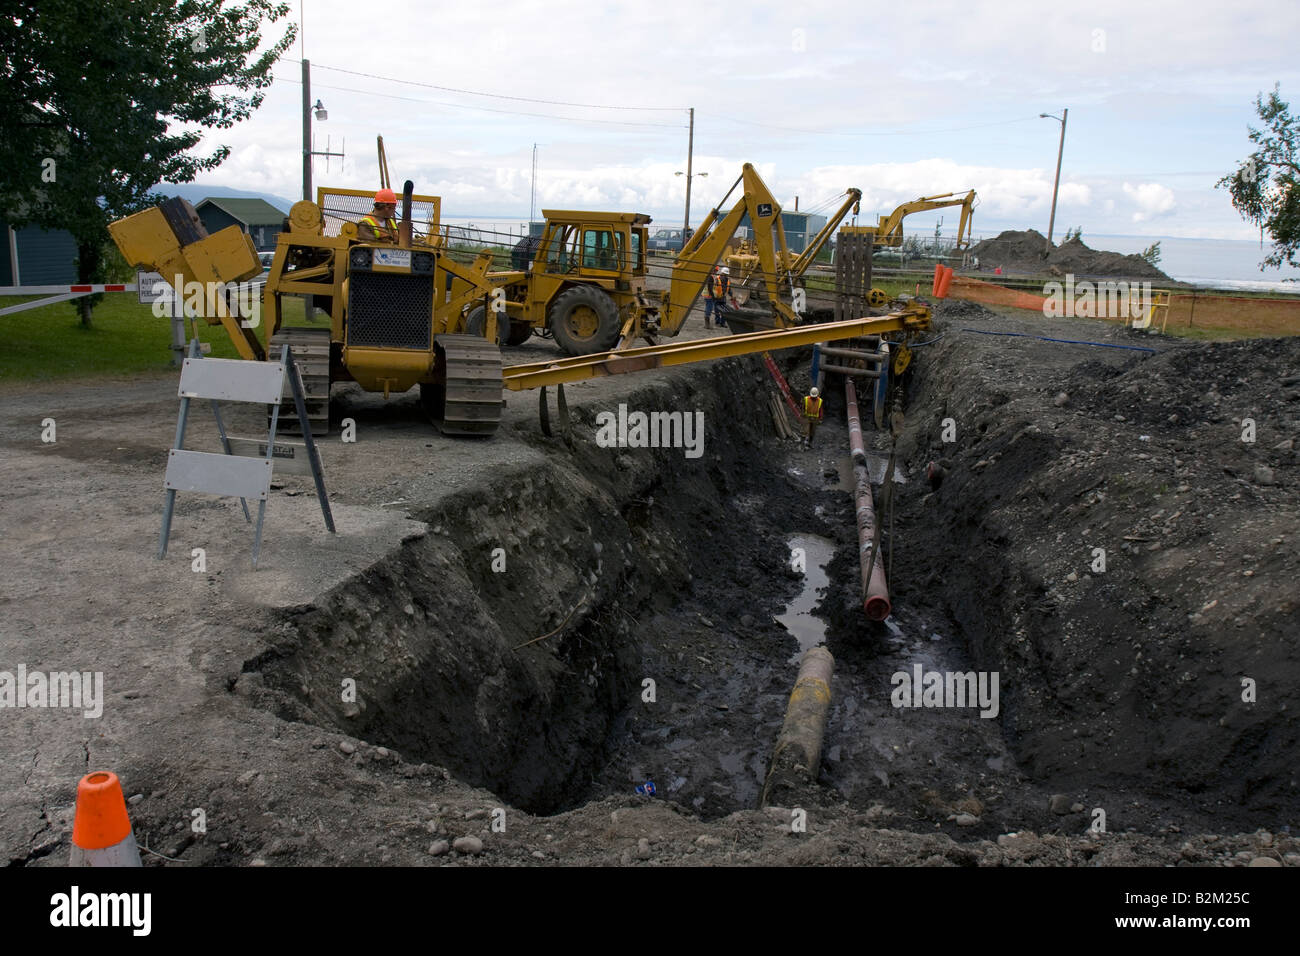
[562, 251]
[601, 249]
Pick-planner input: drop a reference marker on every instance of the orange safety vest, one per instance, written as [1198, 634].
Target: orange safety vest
[812, 407]
[389, 224]
[708, 285]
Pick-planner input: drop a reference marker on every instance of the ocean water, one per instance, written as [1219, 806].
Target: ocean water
[1222, 263]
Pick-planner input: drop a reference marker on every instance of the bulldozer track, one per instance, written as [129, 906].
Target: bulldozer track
[311, 353]
[472, 385]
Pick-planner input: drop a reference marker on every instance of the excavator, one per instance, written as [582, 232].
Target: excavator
[410, 313]
[889, 230]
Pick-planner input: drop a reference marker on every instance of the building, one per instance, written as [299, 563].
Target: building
[800, 228]
[36, 256]
[256, 217]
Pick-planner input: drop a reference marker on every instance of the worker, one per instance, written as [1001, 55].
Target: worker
[710, 287]
[723, 294]
[812, 413]
[380, 226]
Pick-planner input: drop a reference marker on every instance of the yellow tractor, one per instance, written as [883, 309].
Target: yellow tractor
[584, 279]
[396, 310]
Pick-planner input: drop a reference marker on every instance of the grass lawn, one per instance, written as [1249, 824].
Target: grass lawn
[125, 338]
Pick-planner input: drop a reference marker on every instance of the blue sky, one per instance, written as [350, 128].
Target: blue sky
[899, 99]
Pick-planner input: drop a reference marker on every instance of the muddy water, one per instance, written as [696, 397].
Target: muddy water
[877, 465]
[798, 618]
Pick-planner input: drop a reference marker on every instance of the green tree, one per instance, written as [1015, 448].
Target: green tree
[105, 99]
[1264, 189]
[1151, 254]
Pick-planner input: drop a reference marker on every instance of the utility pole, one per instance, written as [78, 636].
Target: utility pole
[1051, 223]
[306, 129]
[532, 198]
[321, 114]
[690, 153]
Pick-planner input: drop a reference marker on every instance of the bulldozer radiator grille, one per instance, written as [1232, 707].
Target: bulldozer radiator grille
[387, 310]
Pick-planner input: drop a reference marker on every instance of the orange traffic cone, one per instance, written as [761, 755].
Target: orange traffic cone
[101, 830]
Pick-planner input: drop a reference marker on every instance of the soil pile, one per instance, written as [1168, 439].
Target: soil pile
[1022, 252]
[1107, 540]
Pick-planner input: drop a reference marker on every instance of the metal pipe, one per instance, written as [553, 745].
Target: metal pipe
[852, 354]
[797, 756]
[874, 587]
[849, 370]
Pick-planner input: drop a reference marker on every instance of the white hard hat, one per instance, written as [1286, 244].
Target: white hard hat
[726, 271]
[813, 391]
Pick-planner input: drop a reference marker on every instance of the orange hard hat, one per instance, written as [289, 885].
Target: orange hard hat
[386, 196]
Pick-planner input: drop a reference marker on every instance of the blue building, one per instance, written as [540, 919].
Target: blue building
[256, 217]
[36, 256]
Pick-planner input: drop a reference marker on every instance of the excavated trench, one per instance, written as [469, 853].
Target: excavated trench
[541, 623]
[619, 616]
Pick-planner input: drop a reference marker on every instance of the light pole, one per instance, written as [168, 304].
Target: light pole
[1051, 223]
[686, 227]
[321, 114]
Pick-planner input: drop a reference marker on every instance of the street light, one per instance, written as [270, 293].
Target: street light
[1051, 223]
[686, 226]
[321, 112]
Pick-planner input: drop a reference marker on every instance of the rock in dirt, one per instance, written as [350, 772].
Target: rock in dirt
[1263, 475]
[1264, 861]
[967, 820]
[439, 848]
[1059, 804]
[347, 748]
[469, 845]
[643, 849]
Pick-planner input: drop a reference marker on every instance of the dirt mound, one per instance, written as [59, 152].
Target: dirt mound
[1022, 252]
[1111, 545]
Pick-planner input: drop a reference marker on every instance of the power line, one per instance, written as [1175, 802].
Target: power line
[485, 109]
[899, 132]
[498, 96]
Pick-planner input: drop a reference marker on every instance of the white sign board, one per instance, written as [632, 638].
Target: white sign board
[151, 287]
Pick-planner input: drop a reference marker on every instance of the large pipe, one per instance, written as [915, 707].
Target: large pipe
[797, 756]
[834, 352]
[850, 370]
[874, 587]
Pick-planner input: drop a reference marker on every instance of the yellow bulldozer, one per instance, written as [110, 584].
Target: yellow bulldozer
[396, 311]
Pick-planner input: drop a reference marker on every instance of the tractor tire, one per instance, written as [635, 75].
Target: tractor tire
[476, 323]
[520, 332]
[584, 319]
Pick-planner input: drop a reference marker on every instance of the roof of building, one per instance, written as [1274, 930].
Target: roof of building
[251, 212]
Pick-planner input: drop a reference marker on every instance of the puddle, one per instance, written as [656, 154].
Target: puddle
[798, 618]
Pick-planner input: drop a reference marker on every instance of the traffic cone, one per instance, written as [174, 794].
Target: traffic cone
[101, 830]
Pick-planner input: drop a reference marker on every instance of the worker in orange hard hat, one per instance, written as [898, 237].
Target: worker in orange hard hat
[380, 226]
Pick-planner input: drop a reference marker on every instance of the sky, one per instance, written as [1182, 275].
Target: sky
[899, 99]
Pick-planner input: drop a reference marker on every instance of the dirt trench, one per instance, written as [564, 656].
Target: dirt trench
[512, 644]
[626, 567]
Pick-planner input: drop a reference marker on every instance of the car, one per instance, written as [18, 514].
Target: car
[668, 240]
[266, 258]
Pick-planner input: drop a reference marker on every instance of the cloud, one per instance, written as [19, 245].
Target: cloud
[1153, 200]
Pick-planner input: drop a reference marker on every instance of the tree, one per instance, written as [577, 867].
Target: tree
[105, 99]
[1151, 254]
[1265, 189]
